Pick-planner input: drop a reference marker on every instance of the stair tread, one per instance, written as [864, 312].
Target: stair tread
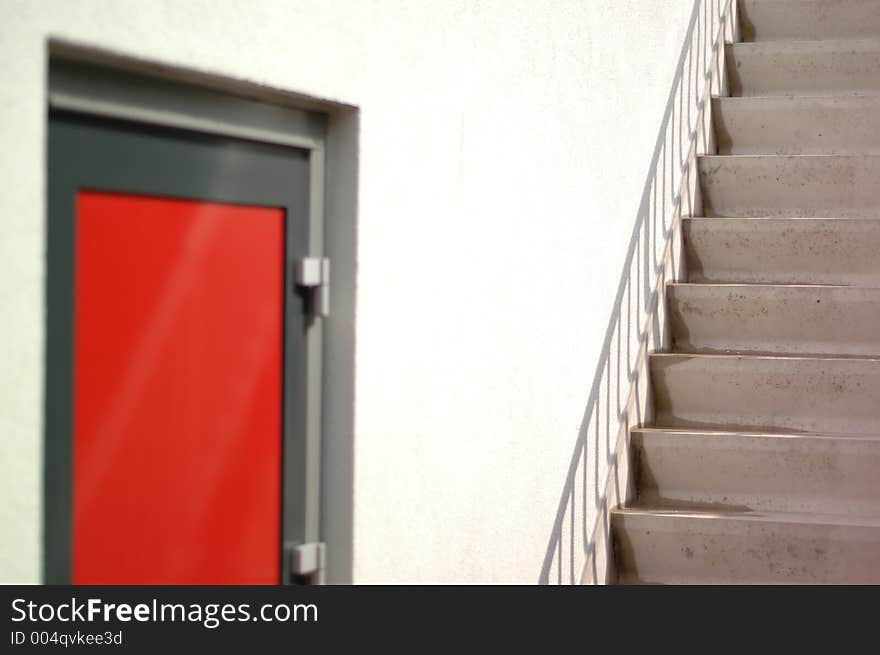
[764, 433]
[764, 156]
[721, 514]
[861, 42]
[768, 219]
[787, 285]
[763, 356]
[867, 99]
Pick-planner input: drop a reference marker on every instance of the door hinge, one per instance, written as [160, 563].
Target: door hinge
[308, 561]
[314, 273]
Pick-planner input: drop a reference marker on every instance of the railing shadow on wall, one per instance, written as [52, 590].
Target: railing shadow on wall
[582, 514]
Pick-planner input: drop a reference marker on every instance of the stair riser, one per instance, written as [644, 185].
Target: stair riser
[799, 395]
[685, 550]
[783, 251]
[797, 126]
[730, 471]
[774, 319]
[804, 20]
[821, 187]
[803, 68]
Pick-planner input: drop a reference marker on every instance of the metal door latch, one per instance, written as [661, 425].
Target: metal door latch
[314, 273]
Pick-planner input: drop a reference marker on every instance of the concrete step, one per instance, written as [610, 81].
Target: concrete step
[804, 20]
[797, 125]
[785, 68]
[832, 186]
[688, 547]
[763, 318]
[783, 250]
[747, 392]
[738, 471]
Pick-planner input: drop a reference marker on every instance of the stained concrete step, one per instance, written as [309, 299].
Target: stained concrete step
[735, 471]
[785, 68]
[790, 319]
[797, 125]
[725, 547]
[800, 20]
[783, 250]
[746, 392]
[821, 186]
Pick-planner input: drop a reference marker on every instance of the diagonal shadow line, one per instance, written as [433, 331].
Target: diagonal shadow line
[555, 542]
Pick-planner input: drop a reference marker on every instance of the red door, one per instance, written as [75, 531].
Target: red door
[177, 426]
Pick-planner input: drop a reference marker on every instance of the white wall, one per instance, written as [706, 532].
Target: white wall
[504, 145]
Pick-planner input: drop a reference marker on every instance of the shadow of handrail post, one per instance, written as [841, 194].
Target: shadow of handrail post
[648, 266]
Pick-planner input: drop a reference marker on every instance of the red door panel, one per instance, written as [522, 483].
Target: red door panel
[177, 391]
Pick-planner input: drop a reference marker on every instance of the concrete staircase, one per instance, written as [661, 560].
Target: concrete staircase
[763, 461]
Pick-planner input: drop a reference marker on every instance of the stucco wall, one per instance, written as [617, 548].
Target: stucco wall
[503, 147]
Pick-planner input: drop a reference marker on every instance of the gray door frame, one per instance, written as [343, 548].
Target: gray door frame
[100, 92]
